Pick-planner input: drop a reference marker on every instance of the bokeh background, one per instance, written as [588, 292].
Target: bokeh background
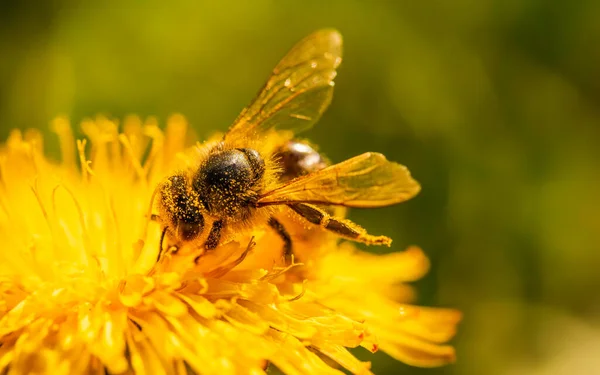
[493, 105]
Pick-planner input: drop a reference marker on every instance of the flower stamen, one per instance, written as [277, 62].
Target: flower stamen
[301, 294]
[141, 173]
[86, 170]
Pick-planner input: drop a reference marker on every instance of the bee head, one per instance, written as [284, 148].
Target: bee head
[182, 207]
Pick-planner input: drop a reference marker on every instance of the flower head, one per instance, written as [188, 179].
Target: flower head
[84, 289]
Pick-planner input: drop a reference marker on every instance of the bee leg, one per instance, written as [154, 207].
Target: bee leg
[214, 236]
[285, 236]
[160, 246]
[342, 227]
[154, 217]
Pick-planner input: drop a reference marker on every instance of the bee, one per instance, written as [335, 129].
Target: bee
[258, 169]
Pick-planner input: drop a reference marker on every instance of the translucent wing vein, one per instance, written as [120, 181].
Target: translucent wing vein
[298, 91]
[367, 180]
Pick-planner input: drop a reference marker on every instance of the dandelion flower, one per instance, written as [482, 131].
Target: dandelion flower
[81, 292]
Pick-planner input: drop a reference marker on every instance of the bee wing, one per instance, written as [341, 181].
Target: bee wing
[367, 180]
[297, 92]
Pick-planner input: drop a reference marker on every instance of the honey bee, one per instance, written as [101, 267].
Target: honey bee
[258, 169]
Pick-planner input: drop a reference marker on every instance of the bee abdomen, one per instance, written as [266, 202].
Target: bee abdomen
[298, 159]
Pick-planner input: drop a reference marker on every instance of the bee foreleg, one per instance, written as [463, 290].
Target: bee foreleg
[161, 242]
[342, 227]
[214, 236]
[285, 236]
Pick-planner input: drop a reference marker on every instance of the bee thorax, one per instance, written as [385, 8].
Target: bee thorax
[226, 182]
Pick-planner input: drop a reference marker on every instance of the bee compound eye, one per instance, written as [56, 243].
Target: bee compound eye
[187, 231]
[189, 222]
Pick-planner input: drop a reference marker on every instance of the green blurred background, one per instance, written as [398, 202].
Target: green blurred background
[493, 105]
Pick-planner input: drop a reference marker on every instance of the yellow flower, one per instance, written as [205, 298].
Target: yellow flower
[82, 292]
